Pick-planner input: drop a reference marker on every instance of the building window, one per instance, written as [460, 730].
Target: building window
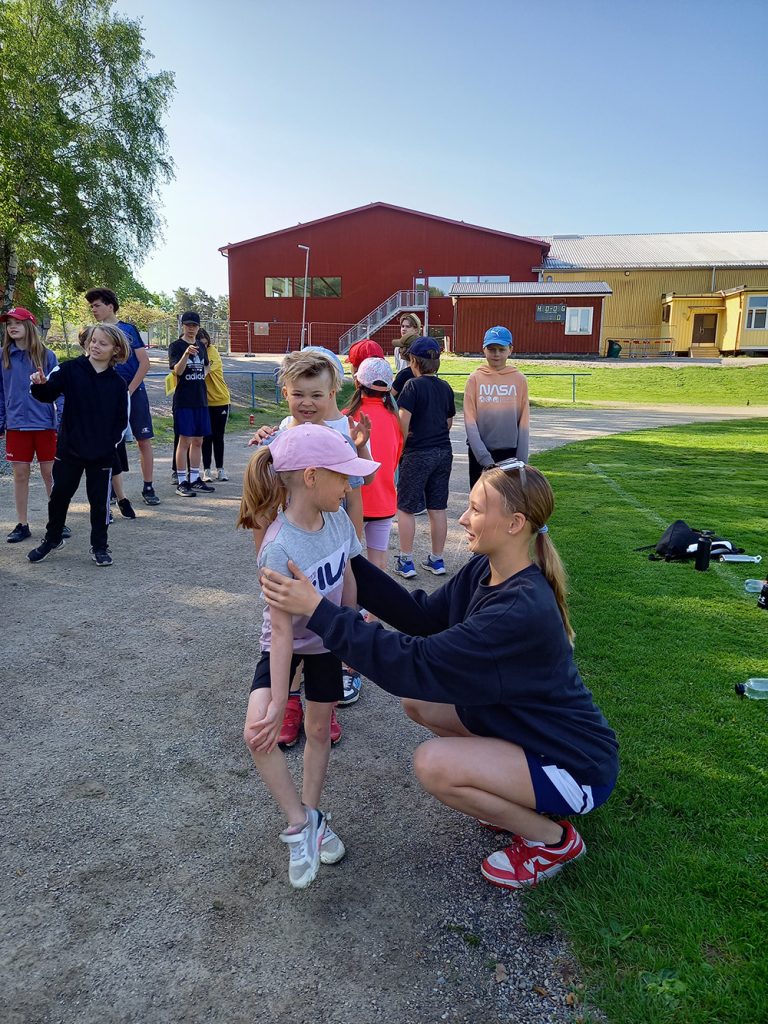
[757, 313]
[578, 320]
[326, 287]
[666, 314]
[293, 287]
[439, 287]
[278, 287]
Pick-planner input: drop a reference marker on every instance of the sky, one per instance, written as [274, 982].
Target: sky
[558, 118]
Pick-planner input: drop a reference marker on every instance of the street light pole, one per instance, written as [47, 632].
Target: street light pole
[304, 304]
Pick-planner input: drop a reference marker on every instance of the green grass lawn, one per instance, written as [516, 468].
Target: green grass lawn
[667, 913]
[676, 384]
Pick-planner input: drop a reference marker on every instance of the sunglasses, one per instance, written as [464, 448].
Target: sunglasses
[509, 464]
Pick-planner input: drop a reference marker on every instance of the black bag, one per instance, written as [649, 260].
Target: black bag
[679, 541]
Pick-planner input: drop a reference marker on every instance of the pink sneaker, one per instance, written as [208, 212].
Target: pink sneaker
[526, 863]
[335, 729]
[292, 722]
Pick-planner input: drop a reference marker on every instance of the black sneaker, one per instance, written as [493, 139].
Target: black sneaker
[185, 489]
[43, 550]
[66, 533]
[20, 531]
[126, 509]
[149, 497]
[102, 558]
[201, 485]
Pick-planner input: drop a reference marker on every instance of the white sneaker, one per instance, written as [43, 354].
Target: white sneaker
[221, 475]
[206, 476]
[331, 849]
[305, 850]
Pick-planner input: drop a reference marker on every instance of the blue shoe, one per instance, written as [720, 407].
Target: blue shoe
[434, 565]
[405, 567]
[352, 686]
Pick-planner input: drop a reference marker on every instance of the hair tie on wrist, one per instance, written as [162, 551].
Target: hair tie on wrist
[544, 529]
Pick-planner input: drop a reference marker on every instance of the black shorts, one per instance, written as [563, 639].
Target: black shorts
[424, 473]
[322, 676]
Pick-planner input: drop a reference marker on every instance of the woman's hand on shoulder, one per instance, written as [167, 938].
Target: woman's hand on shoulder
[296, 596]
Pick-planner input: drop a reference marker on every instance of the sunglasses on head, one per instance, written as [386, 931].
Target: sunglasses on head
[510, 464]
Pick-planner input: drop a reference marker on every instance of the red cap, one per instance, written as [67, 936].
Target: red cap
[365, 349]
[17, 313]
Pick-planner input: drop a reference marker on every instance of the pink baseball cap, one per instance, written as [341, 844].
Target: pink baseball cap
[365, 349]
[18, 313]
[313, 445]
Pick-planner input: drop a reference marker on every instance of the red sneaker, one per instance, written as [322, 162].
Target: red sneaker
[292, 720]
[335, 729]
[526, 863]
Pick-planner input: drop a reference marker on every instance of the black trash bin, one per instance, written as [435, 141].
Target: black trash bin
[614, 348]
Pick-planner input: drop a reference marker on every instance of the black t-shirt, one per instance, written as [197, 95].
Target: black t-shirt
[402, 379]
[430, 402]
[190, 392]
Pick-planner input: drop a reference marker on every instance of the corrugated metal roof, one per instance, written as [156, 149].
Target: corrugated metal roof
[686, 249]
[532, 288]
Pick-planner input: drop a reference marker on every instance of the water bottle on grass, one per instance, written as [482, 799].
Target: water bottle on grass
[756, 689]
[754, 586]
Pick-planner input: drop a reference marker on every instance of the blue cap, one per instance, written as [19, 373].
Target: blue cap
[329, 355]
[498, 336]
[424, 348]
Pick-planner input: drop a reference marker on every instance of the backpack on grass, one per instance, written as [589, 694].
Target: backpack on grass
[679, 541]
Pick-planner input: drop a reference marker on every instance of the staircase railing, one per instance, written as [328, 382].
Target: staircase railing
[410, 299]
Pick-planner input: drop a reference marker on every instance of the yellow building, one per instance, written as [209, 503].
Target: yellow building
[698, 293]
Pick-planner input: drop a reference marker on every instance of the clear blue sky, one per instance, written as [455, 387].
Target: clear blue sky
[553, 118]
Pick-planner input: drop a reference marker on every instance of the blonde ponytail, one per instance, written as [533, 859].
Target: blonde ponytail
[525, 489]
[264, 492]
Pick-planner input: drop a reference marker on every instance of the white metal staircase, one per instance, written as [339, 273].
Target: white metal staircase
[415, 299]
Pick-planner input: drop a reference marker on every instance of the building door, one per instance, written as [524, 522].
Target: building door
[704, 328]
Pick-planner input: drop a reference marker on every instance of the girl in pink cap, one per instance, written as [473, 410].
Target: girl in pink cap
[29, 426]
[297, 486]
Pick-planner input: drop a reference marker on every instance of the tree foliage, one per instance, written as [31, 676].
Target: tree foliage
[82, 148]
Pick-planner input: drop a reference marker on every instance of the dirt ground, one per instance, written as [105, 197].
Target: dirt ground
[143, 879]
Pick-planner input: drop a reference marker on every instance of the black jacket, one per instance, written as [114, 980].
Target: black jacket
[95, 409]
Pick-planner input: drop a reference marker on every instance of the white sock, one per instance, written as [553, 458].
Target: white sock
[194, 474]
[407, 555]
[182, 476]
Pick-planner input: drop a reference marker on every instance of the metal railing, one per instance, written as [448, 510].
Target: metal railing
[252, 377]
[573, 377]
[410, 299]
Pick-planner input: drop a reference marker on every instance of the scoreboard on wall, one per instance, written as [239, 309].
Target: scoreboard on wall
[550, 313]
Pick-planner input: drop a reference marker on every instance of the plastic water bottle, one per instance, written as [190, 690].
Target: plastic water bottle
[754, 586]
[757, 689]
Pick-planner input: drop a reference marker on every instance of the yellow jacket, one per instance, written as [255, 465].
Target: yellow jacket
[218, 392]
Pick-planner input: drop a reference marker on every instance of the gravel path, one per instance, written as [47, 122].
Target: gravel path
[143, 878]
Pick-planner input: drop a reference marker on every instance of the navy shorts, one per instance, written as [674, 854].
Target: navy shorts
[557, 792]
[322, 676]
[192, 422]
[424, 473]
[141, 417]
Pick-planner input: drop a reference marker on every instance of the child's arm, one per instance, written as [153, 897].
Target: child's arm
[349, 591]
[405, 422]
[262, 434]
[262, 733]
[523, 422]
[46, 390]
[355, 510]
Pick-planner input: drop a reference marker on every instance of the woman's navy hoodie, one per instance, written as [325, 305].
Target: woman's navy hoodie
[95, 409]
[500, 654]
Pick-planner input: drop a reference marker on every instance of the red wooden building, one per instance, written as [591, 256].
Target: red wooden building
[361, 268]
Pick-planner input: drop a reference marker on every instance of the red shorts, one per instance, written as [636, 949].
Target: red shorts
[23, 445]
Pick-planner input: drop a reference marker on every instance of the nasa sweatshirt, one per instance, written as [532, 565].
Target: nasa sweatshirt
[496, 412]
